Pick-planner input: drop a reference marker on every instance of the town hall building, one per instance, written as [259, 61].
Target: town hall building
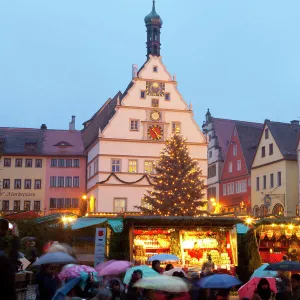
[125, 136]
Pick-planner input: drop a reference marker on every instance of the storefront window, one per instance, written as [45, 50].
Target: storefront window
[263, 211]
[256, 211]
[278, 210]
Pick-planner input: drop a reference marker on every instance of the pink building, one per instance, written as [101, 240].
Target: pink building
[65, 170]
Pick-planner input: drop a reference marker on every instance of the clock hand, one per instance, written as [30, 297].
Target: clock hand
[155, 133]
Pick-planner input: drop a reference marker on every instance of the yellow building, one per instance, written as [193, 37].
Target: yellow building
[274, 172]
[22, 170]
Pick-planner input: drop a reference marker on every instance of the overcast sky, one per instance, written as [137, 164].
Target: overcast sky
[240, 58]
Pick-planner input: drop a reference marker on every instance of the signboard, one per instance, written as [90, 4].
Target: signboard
[100, 241]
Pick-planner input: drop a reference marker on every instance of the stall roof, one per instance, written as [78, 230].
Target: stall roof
[181, 221]
[116, 225]
[278, 220]
[54, 217]
[86, 222]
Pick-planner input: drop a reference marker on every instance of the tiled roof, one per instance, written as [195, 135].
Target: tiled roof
[286, 136]
[39, 142]
[15, 140]
[249, 136]
[224, 129]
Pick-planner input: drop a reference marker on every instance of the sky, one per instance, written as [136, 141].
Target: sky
[58, 58]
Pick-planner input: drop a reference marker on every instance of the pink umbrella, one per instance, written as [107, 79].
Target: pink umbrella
[73, 271]
[247, 290]
[104, 264]
[115, 268]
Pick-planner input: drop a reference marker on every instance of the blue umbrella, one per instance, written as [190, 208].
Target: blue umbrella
[261, 272]
[65, 289]
[54, 258]
[284, 265]
[147, 272]
[218, 281]
[164, 257]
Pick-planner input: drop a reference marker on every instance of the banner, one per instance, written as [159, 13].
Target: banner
[100, 242]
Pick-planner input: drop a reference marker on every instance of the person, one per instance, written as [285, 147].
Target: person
[31, 252]
[169, 267]
[195, 289]
[103, 294]
[208, 266]
[263, 291]
[117, 289]
[183, 295]
[134, 293]
[156, 266]
[286, 273]
[295, 281]
[47, 282]
[283, 285]
[8, 261]
[196, 252]
[223, 294]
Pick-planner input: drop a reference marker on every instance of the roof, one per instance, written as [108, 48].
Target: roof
[15, 140]
[286, 136]
[223, 130]
[38, 142]
[249, 135]
[63, 142]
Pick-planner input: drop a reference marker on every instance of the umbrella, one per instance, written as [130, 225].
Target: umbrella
[147, 272]
[170, 272]
[284, 265]
[164, 257]
[261, 272]
[28, 239]
[218, 281]
[74, 271]
[115, 268]
[247, 290]
[65, 289]
[102, 265]
[54, 258]
[164, 283]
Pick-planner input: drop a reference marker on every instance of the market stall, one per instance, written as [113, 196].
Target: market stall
[277, 237]
[193, 239]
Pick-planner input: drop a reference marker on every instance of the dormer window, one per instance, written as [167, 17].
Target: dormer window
[155, 69]
[63, 144]
[31, 146]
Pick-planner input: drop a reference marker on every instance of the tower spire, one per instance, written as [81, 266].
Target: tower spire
[153, 23]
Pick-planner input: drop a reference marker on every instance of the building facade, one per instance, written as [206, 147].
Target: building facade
[41, 169]
[218, 132]
[274, 173]
[235, 193]
[124, 138]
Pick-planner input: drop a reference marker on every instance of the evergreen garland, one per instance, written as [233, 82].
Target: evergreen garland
[177, 187]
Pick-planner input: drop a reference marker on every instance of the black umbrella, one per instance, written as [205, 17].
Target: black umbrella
[284, 265]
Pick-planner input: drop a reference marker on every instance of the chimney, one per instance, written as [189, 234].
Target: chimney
[295, 122]
[44, 127]
[134, 71]
[72, 124]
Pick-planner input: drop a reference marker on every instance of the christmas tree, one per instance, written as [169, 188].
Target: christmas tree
[177, 186]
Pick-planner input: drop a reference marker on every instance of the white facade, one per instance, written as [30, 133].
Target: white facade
[134, 137]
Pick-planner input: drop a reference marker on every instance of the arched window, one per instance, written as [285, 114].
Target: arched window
[263, 211]
[278, 210]
[155, 49]
[256, 211]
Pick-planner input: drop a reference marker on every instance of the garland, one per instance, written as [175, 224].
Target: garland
[125, 182]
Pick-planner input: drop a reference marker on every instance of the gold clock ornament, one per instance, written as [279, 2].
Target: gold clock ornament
[155, 115]
[155, 132]
[156, 89]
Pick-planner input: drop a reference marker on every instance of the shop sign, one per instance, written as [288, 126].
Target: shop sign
[100, 242]
[16, 194]
[270, 234]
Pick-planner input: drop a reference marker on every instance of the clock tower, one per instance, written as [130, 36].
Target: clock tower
[153, 23]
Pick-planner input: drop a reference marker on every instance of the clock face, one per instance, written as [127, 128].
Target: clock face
[155, 89]
[155, 115]
[155, 132]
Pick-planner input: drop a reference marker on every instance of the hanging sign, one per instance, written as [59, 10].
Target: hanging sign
[262, 235]
[288, 233]
[267, 200]
[270, 234]
[277, 235]
[100, 242]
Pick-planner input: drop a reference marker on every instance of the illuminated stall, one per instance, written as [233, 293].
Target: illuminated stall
[192, 239]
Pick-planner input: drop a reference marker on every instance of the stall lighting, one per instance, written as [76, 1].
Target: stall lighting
[273, 225]
[228, 246]
[249, 221]
[68, 219]
[281, 225]
[291, 226]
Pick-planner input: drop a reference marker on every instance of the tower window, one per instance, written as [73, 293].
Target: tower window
[155, 49]
[155, 34]
[155, 69]
[143, 94]
[167, 96]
